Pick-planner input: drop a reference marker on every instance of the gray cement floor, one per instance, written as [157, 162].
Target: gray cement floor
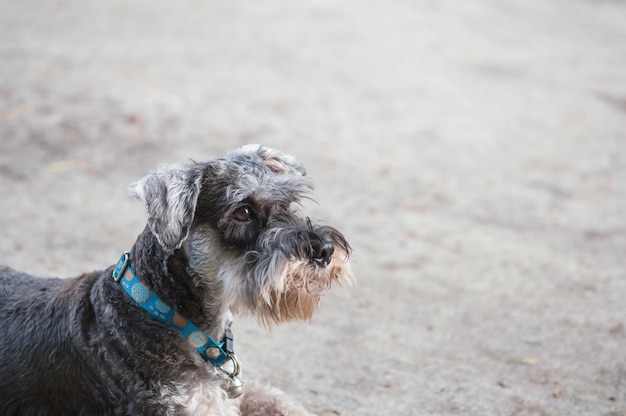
[474, 153]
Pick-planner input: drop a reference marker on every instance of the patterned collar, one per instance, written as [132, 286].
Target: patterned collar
[217, 353]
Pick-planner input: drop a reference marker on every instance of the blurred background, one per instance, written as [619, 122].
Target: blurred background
[473, 153]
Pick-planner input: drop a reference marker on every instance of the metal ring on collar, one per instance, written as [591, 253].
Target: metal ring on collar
[235, 371]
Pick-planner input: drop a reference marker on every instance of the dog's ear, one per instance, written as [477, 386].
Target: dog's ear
[275, 160]
[170, 195]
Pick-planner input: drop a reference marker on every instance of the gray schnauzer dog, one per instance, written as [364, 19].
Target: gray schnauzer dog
[151, 335]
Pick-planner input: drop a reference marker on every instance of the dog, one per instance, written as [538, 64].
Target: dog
[151, 334]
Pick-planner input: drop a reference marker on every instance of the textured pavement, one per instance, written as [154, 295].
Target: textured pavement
[474, 154]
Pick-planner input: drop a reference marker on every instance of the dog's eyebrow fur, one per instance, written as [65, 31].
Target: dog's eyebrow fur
[286, 189]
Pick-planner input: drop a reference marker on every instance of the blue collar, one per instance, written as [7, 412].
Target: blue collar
[217, 353]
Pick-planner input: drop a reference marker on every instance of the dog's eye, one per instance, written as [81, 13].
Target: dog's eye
[244, 213]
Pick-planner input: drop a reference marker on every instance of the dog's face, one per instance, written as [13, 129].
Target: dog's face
[236, 219]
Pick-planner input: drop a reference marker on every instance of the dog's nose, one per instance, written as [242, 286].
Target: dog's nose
[322, 252]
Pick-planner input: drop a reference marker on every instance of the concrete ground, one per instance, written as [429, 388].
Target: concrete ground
[474, 154]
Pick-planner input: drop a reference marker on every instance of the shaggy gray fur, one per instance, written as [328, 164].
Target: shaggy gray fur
[222, 237]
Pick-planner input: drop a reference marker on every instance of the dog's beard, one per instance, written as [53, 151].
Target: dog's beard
[282, 287]
[296, 294]
[275, 283]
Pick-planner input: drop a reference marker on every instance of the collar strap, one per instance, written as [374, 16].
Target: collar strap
[217, 353]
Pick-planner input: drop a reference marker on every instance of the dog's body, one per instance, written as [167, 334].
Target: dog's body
[221, 238]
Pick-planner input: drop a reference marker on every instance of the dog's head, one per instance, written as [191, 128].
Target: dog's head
[236, 220]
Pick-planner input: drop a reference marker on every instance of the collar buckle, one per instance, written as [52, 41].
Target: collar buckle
[122, 265]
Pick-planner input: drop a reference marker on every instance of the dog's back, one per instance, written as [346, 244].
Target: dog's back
[41, 371]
